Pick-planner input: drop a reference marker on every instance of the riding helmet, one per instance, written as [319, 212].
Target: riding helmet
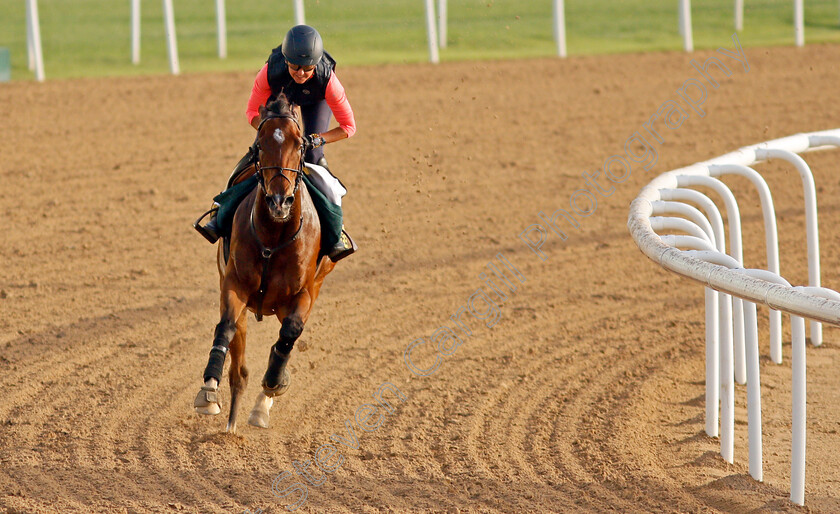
[302, 46]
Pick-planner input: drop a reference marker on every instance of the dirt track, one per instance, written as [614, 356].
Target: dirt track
[586, 395]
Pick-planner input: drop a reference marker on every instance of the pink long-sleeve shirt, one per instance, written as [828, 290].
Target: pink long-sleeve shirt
[335, 96]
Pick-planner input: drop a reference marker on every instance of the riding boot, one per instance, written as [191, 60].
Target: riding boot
[343, 248]
[210, 231]
[345, 245]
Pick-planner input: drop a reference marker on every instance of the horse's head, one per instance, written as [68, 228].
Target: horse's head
[280, 156]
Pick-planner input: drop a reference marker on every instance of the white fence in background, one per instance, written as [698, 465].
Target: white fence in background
[431, 32]
[436, 34]
[300, 18]
[221, 28]
[733, 291]
[171, 39]
[559, 16]
[436, 29]
[684, 15]
[442, 17]
[135, 31]
[33, 40]
[559, 25]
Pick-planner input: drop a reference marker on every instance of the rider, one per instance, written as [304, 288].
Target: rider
[302, 70]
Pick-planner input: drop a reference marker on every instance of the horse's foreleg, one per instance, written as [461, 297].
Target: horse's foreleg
[237, 373]
[277, 379]
[207, 400]
[273, 383]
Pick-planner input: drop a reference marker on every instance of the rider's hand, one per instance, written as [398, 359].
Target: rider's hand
[314, 140]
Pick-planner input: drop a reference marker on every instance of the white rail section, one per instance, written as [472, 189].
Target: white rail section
[732, 291]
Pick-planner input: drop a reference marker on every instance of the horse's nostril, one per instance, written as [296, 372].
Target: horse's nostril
[276, 200]
[289, 200]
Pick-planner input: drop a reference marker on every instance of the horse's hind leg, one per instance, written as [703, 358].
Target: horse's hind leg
[276, 379]
[238, 373]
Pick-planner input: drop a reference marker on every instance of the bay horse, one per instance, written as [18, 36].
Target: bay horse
[273, 266]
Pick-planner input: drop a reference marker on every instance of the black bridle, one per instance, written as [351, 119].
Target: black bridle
[259, 169]
[267, 253]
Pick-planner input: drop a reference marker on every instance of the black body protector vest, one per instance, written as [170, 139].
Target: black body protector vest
[310, 92]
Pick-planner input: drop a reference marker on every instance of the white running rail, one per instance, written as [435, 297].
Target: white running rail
[732, 291]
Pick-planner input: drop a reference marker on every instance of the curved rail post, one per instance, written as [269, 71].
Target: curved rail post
[716, 270]
[712, 303]
[798, 408]
[736, 250]
[724, 352]
[771, 238]
[692, 213]
[753, 379]
[798, 400]
[726, 376]
[712, 340]
[658, 223]
[811, 228]
[708, 206]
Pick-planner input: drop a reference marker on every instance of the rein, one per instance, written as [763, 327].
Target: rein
[267, 253]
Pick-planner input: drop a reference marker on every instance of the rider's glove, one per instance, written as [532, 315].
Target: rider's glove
[315, 140]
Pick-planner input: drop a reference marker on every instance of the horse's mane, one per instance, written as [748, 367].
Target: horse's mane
[280, 106]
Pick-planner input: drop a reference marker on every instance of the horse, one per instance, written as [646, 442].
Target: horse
[274, 266]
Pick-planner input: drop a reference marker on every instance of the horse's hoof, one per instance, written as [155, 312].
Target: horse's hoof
[282, 387]
[207, 401]
[231, 428]
[258, 419]
[259, 415]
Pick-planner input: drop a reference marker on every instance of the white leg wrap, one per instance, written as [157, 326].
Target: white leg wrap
[259, 414]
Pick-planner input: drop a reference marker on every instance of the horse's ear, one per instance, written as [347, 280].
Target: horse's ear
[296, 111]
[262, 112]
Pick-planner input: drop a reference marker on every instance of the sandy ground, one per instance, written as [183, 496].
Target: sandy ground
[585, 395]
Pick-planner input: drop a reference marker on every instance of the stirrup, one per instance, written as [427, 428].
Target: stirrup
[207, 231]
[344, 248]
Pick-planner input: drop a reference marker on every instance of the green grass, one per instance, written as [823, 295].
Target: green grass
[91, 37]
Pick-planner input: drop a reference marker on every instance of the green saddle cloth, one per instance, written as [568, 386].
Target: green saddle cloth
[329, 214]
